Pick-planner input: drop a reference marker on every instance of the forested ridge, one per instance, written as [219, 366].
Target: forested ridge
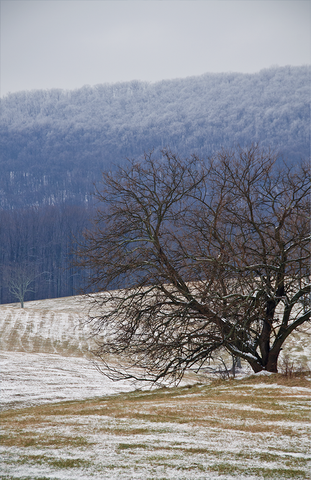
[55, 143]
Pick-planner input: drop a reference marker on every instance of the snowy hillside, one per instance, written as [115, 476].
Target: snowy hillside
[45, 326]
[54, 326]
[45, 354]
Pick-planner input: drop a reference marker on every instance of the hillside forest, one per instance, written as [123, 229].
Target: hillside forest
[54, 144]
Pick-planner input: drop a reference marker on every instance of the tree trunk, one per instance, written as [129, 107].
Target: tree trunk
[256, 366]
[272, 364]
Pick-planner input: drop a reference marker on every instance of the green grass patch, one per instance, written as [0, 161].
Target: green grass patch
[132, 446]
[32, 439]
[55, 462]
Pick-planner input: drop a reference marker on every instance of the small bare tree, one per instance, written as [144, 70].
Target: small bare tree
[212, 254]
[21, 281]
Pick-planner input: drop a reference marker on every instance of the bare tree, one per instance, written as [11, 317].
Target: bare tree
[21, 280]
[212, 254]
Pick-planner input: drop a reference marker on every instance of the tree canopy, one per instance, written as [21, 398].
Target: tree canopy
[214, 254]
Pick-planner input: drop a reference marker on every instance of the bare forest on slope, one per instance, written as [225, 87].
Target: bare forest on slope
[54, 144]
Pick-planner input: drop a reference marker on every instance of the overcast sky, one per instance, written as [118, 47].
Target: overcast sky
[69, 43]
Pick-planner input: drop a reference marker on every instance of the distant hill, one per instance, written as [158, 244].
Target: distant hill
[55, 143]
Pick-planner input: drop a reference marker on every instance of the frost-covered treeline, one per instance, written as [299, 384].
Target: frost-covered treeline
[55, 143]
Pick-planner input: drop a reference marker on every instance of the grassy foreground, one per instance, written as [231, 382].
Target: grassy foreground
[253, 428]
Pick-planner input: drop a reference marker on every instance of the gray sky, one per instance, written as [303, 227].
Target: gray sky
[69, 43]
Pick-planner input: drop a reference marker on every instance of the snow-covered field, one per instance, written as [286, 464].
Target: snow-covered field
[45, 355]
[231, 430]
[243, 429]
[36, 378]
